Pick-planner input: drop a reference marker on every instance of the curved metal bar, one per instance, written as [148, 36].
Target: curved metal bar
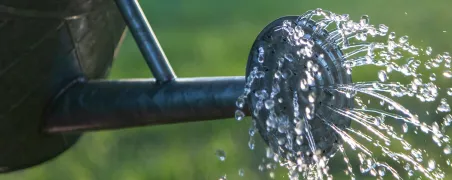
[97, 105]
[146, 40]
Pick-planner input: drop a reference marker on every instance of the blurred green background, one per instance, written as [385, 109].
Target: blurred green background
[213, 38]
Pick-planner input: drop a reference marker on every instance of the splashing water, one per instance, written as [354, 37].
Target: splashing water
[223, 177]
[221, 155]
[306, 107]
[241, 172]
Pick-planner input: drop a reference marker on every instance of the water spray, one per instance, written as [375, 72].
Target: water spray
[287, 94]
[298, 90]
[303, 102]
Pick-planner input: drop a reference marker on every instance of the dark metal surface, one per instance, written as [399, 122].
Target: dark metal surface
[60, 9]
[146, 40]
[44, 46]
[327, 56]
[53, 55]
[98, 105]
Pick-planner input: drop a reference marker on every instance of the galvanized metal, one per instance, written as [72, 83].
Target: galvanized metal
[275, 44]
[146, 40]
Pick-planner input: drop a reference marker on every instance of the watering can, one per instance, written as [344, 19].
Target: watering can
[54, 58]
[56, 54]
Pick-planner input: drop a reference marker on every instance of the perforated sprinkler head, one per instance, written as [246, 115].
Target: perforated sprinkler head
[290, 64]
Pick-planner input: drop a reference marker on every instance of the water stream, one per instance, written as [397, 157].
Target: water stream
[386, 128]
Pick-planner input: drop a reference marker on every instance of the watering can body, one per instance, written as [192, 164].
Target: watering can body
[45, 46]
[54, 56]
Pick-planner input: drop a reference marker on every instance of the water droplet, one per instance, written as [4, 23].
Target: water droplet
[345, 17]
[269, 104]
[303, 85]
[364, 20]
[272, 175]
[383, 29]
[251, 131]
[221, 154]
[299, 128]
[260, 57]
[447, 74]
[240, 102]
[251, 143]
[424, 127]
[433, 77]
[428, 50]
[444, 106]
[382, 76]
[447, 149]
[431, 164]
[403, 39]
[410, 173]
[223, 177]
[287, 23]
[261, 167]
[405, 127]
[241, 172]
[392, 36]
[311, 97]
[381, 171]
[260, 74]
[239, 115]
[288, 57]
[348, 71]
[261, 94]
[269, 153]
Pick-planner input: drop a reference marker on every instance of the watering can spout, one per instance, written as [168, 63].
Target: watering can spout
[110, 104]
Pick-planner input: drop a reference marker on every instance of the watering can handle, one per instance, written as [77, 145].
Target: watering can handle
[146, 40]
[103, 104]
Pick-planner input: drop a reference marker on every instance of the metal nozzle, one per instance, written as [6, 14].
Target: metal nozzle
[285, 66]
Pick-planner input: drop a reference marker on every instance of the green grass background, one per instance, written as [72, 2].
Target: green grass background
[213, 38]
